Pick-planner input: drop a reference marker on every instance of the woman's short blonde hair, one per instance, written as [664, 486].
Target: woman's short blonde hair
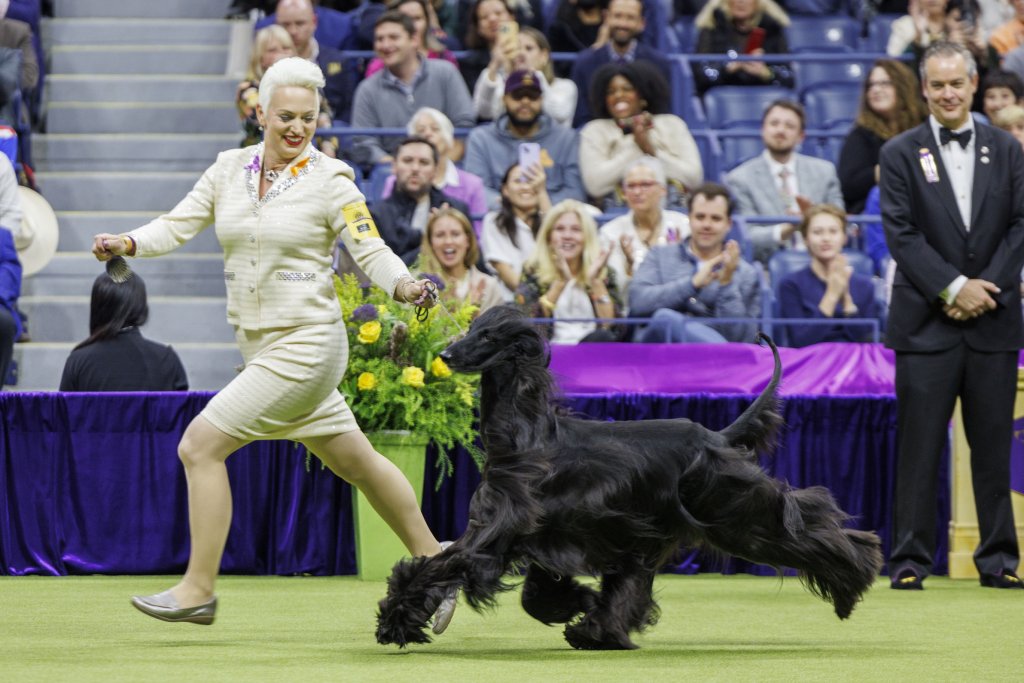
[1009, 116]
[291, 71]
[259, 46]
[819, 209]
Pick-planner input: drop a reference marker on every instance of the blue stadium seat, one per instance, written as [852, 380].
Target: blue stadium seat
[686, 35]
[374, 184]
[731, 106]
[811, 74]
[710, 154]
[738, 148]
[832, 106]
[879, 28]
[822, 34]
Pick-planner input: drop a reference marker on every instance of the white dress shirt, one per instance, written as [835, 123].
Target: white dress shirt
[958, 162]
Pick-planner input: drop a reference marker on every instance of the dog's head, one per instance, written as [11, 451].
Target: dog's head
[500, 335]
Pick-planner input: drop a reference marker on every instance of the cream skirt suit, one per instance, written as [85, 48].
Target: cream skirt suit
[280, 291]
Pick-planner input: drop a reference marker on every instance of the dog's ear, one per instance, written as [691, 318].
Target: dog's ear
[530, 345]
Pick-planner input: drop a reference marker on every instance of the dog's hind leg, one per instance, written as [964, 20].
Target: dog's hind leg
[552, 599]
[624, 604]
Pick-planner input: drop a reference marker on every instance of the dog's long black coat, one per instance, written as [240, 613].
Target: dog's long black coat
[562, 497]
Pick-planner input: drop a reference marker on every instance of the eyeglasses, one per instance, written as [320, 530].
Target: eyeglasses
[640, 185]
[878, 84]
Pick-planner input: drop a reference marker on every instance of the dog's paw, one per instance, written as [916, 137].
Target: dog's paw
[401, 636]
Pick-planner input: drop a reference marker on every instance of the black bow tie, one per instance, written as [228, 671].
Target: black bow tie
[963, 137]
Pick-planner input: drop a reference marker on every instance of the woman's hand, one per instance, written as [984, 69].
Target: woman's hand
[106, 246]
[642, 127]
[838, 278]
[419, 292]
[626, 242]
[594, 273]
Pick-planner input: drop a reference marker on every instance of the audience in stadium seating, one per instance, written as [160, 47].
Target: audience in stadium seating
[10, 290]
[624, 22]
[427, 29]
[632, 120]
[486, 19]
[115, 356]
[1011, 119]
[1000, 89]
[523, 12]
[683, 287]
[433, 126]
[1011, 34]
[402, 216]
[578, 24]
[17, 35]
[340, 75]
[745, 27]
[780, 181]
[567, 277]
[889, 104]
[390, 97]
[828, 287]
[509, 233]
[530, 53]
[647, 224]
[930, 20]
[450, 250]
[492, 148]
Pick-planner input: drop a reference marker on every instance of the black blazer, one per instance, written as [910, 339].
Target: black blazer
[128, 362]
[393, 217]
[931, 246]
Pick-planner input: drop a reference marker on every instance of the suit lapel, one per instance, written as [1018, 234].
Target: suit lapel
[984, 153]
[941, 191]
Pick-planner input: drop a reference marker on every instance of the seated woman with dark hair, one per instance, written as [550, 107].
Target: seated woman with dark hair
[827, 287]
[742, 27]
[509, 234]
[115, 356]
[630, 104]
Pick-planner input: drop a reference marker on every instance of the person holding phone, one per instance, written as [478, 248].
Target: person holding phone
[747, 27]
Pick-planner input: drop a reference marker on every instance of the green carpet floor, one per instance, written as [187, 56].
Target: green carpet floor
[713, 628]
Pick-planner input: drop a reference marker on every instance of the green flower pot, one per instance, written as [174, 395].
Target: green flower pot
[377, 546]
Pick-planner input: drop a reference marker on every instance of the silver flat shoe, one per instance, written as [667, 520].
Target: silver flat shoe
[165, 607]
[446, 610]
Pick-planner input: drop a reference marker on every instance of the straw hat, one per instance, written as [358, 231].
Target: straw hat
[37, 241]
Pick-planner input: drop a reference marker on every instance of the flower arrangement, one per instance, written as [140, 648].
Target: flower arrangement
[395, 378]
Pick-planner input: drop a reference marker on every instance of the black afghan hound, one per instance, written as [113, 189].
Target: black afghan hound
[563, 497]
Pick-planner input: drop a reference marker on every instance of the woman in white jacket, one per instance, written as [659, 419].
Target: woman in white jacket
[279, 207]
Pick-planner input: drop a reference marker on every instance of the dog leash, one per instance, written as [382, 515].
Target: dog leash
[423, 311]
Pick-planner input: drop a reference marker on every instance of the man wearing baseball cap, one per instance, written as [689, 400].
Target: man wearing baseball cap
[493, 148]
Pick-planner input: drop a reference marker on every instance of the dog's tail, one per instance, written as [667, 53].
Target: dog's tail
[756, 428]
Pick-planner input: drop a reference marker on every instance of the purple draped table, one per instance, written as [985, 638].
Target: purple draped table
[91, 483]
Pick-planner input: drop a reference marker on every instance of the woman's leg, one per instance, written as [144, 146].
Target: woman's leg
[353, 458]
[203, 451]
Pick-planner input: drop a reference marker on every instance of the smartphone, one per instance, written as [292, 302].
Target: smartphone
[508, 30]
[755, 41]
[529, 154]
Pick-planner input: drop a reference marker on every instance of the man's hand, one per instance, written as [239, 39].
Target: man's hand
[973, 299]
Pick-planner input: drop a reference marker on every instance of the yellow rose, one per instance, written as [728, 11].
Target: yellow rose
[439, 369]
[413, 377]
[369, 332]
[366, 381]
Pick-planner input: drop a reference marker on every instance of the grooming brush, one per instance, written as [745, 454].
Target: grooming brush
[119, 270]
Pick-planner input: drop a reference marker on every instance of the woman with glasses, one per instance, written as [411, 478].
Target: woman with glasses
[647, 224]
[889, 104]
[631, 120]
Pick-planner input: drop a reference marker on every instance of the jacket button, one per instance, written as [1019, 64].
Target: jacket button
[252, 288]
[252, 238]
[252, 261]
[970, 255]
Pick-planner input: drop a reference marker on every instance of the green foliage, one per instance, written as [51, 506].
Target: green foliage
[395, 378]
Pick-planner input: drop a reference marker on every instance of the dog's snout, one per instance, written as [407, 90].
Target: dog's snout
[445, 356]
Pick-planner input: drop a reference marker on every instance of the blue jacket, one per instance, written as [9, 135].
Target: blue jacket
[665, 280]
[10, 277]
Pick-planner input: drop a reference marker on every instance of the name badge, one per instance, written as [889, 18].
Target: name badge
[360, 222]
[931, 170]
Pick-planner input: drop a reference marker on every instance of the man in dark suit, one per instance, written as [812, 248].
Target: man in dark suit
[952, 195]
[625, 22]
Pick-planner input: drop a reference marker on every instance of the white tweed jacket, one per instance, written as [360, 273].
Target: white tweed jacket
[278, 249]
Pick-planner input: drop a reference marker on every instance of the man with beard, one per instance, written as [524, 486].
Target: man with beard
[402, 217]
[625, 22]
[797, 181]
[493, 148]
[409, 81]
